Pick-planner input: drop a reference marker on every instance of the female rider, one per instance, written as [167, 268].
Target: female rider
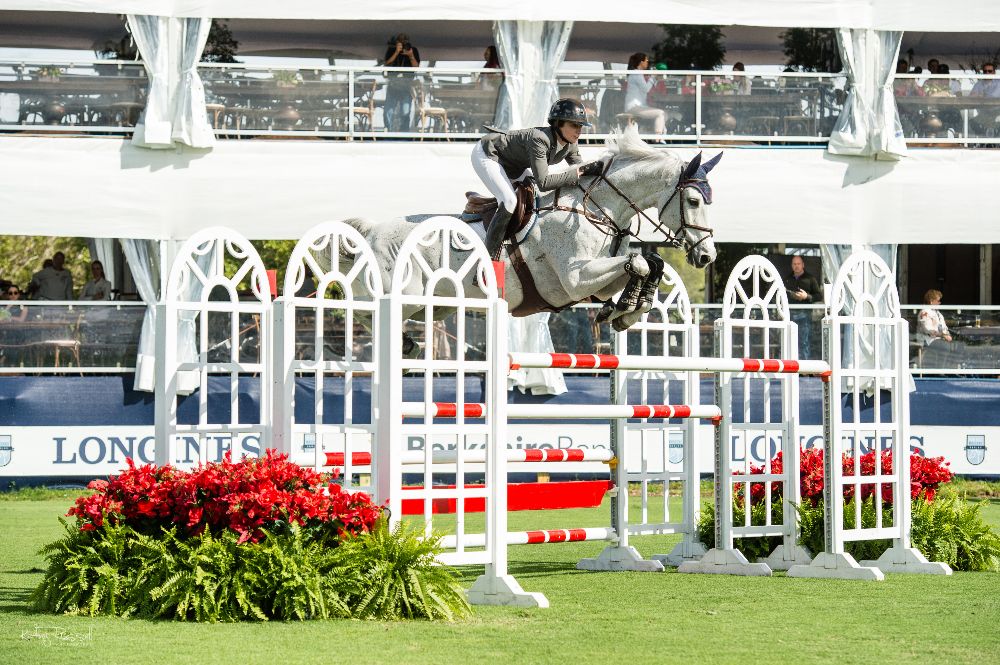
[502, 157]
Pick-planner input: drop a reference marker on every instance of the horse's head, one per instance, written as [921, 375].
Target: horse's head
[684, 210]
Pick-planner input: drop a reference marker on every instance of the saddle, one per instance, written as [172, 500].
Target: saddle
[486, 206]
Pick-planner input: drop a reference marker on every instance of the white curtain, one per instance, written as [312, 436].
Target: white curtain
[869, 124]
[175, 105]
[143, 257]
[530, 334]
[151, 34]
[103, 250]
[190, 120]
[530, 52]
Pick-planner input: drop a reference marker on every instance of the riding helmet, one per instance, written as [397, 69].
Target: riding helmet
[570, 110]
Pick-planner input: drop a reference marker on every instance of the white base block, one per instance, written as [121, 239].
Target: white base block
[725, 562]
[503, 590]
[907, 560]
[840, 566]
[683, 551]
[617, 558]
[782, 559]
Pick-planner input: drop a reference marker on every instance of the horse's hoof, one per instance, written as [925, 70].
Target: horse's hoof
[622, 323]
[605, 312]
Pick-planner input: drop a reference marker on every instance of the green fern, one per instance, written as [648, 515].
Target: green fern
[953, 531]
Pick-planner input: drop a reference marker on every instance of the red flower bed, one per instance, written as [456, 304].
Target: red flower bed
[245, 497]
[926, 476]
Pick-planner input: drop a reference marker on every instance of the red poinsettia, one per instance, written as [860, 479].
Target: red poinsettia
[246, 497]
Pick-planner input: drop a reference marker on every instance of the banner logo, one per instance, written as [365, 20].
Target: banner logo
[975, 448]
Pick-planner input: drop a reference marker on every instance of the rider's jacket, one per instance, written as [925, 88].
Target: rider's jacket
[534, 148]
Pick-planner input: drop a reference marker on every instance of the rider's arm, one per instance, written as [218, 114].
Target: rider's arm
[573, 156]
[540, 169]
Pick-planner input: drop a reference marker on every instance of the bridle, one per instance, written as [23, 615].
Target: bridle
[601, 221]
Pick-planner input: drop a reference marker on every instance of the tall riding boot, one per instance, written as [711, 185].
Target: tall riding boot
[496, 231]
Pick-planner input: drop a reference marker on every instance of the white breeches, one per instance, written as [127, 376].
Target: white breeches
[493, 176]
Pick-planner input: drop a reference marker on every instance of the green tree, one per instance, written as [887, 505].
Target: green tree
[811, 49]
[220, 47]
[693, 278]
[21, 256]
[691, 47]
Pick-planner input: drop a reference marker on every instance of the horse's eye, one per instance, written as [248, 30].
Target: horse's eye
[694, 201]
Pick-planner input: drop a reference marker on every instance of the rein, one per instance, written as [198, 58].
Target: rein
[601, 221]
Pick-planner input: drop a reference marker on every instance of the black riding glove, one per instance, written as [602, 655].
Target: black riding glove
[592, 168]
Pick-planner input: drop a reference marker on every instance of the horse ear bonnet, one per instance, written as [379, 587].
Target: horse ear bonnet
[700, 176]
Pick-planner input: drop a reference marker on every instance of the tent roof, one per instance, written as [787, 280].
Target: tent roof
[920, 15]
[454, 40]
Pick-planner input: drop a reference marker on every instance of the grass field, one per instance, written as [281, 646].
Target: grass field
[595, 617]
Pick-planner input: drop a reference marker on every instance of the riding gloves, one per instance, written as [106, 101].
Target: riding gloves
[592, 168]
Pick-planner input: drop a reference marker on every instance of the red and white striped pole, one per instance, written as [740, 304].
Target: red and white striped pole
[566, 411]
[535, 537]
[517, 456]
[667, 364]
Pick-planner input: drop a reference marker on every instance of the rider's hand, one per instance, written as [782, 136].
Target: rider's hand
[591, 168]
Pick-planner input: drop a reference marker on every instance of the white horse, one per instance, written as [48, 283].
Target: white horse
[579, 249]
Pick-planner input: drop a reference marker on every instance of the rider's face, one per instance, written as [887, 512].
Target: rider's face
[571, 131]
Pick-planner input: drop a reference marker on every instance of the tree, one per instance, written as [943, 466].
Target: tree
[22, 256]
[811, 49]
[691, 47]
[220, 47]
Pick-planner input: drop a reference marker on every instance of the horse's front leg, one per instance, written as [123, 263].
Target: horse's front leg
[603, 278]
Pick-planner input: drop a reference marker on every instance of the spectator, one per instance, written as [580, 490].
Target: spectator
[905, 87]
[637, 91]
[803, 289]
[987, 87]
[932, 66]
[13, 312]
[399, 92]
[53, 282]
[941, 87]
[743, 83]
[930, 322]
[97, 288]
[487, 79]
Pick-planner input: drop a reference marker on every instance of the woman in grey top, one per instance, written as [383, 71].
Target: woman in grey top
[502, 157]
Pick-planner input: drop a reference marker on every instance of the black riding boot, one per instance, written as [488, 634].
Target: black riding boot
[496, 231]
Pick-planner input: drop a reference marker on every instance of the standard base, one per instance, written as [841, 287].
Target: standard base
[616, 558]
[683, 551]
[503, 590]
[840, 566]
[725, 562]
[782, 559]
[907, 560]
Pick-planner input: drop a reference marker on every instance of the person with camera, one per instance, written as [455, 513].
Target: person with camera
[398, 109]
[501, 158]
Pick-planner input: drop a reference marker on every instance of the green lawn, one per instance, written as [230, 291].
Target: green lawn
[594, 618]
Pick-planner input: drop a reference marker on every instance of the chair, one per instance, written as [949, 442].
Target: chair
[362, 108]
[430, 113]
[70, 343]
[216, 110]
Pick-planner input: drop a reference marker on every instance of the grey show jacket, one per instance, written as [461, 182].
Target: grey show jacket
[535, 148]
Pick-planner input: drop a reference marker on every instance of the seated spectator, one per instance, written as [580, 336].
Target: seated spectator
[98, 287]
[941, 87]
[486, 79]
[13, 311]
[743, 83]
[930, 322]
[638, 87]
[53, 281]
[987, 87]
[906, 87]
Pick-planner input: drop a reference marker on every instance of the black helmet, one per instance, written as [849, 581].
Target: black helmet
[570, 110]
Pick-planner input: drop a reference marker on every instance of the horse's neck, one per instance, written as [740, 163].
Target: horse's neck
[642, 191]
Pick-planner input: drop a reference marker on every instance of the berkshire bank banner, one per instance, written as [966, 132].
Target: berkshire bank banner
[83, 453]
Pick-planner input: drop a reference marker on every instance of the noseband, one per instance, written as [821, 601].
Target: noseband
[606, 225]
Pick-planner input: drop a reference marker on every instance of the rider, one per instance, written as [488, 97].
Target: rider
[502, 157]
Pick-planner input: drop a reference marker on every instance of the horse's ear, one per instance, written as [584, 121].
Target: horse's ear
[691, 168]
[710, 164]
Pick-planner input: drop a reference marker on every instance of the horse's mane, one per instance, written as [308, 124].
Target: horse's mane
[625, 145]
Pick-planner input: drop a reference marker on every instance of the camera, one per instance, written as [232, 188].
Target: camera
[407, 46]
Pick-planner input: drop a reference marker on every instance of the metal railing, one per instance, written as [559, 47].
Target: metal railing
[953, 110]
[103, 337]
[357, 103]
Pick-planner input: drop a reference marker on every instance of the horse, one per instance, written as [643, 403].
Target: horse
[576, 247]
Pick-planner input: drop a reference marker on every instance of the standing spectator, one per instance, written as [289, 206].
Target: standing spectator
[98, 287]
[53, 281]
[743, 83]
[14, 311]
[637, 90]
[398, 107]
[803, 289]
[490, 80]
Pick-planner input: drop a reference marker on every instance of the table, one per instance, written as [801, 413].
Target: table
[931, 117]
[89, 99]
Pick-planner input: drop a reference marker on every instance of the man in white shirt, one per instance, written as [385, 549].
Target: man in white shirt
[53, 282]
[987, 87]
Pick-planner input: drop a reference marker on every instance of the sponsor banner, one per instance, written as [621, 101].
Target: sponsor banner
[95, 451]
